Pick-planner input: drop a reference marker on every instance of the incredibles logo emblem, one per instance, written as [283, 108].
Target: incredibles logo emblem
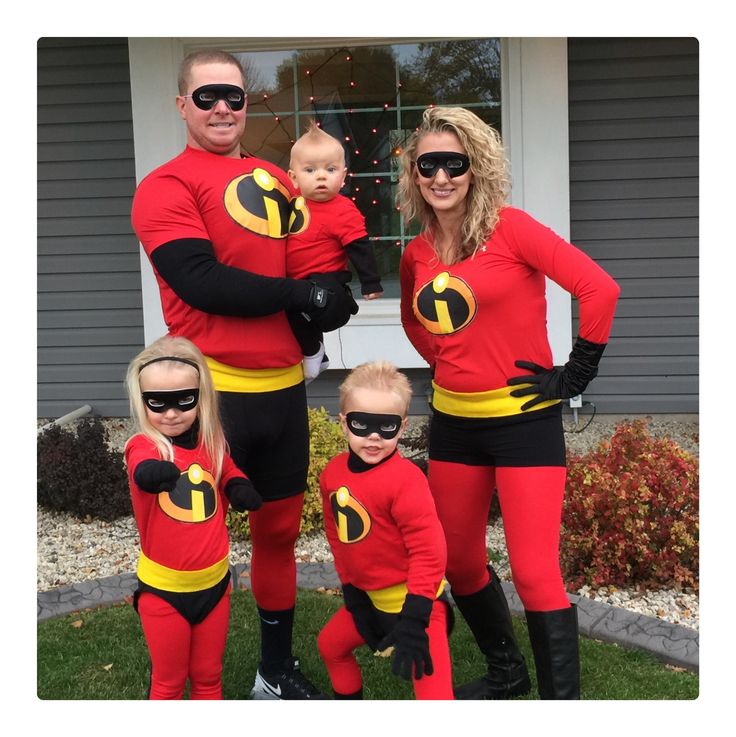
[351, 518]
[262, 204]
[194, 498]
[445, 305]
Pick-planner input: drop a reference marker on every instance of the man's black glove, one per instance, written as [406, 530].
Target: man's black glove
[242, 495]
[156, 476]
[331, 303]
[358, 603]
[410, 640]
[559, 382]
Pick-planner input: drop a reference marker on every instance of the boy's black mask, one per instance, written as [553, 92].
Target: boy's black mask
[365, 423]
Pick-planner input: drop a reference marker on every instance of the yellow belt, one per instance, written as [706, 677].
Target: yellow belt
[391, 599]
[493, 403]
[169, 579]
[232, 379]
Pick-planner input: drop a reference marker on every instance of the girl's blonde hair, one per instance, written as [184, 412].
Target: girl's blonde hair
[211, 435]
[488, 164]
[381, 375]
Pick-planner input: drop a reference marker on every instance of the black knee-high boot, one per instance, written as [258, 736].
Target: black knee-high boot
[488, 616]
[554, 639]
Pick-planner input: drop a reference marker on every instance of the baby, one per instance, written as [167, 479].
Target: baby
[335, 234]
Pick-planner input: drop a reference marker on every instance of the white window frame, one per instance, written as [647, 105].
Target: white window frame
[535, 129]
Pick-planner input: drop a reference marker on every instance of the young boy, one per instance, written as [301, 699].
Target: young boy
[335, 233]
[387, 542]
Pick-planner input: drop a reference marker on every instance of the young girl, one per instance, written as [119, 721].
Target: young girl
[181, 482]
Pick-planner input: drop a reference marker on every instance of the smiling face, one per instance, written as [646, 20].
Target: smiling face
[318, 169]
[219, 129]
[443, 193]
[170, 377]
[373, 448]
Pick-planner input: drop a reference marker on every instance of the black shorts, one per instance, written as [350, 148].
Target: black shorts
[524, 440]
[268, 434]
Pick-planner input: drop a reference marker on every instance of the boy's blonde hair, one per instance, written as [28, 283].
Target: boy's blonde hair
[487, 194]
[314, 136]
[381, 375]
[211, 434]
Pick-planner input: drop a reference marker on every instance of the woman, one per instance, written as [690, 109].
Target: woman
[473, 305]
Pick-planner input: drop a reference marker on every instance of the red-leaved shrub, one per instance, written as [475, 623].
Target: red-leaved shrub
[631, 513]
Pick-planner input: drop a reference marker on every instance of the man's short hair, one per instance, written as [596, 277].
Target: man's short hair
[205, 56]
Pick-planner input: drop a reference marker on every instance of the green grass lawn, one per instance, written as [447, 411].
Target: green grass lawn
[101, 654]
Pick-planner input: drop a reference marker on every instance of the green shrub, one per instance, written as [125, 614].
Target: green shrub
[78, 473]
[325, 442]
[630, 515]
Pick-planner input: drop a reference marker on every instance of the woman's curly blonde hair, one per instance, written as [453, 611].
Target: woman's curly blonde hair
[488, 164]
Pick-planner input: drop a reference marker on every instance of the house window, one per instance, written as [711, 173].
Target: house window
[372, 99]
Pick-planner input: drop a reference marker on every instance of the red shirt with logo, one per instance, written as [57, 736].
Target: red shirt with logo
[183, 530]
[382, 526]
[320, 248]
[242, 206]
[472, 320]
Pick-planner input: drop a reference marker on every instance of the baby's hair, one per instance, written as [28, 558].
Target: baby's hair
[315, 136]
[381, 375]
[182, 353]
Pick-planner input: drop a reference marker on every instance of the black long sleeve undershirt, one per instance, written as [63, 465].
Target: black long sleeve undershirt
[189, 266]
[363, 258]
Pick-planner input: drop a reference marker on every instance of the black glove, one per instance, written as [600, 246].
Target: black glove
[242, 495]
[559, 382]
[156, 476]
[358, 603]
[331, 303]
[410, 640]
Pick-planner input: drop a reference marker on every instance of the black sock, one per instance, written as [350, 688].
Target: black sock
[276, 631]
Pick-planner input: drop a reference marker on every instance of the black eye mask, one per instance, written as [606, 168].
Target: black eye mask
[366, 423]
[453, 164]
[181, 399]
[207, 96]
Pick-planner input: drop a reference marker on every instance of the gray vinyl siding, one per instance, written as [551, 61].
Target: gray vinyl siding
[89, 310]
[634, 209]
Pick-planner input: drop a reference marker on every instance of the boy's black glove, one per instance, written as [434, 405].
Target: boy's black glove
[242, 495]
[156, 476]
[358, 603]
[559, 382]
[410, 640]
[331, 303]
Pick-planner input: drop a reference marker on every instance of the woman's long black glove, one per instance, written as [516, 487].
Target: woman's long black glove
[242, 495]
[559, 382]
[155, 476]
[410, 640]
[358, 603]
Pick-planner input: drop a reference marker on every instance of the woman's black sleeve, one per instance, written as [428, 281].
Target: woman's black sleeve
[190, 268]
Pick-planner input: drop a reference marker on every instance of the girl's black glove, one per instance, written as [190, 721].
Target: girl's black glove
[559, 382]
[358, 603]
[410, 640]
[156, 476]
[242, 495]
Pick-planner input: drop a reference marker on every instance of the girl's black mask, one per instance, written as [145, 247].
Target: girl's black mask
[181, 399]
[363, 424]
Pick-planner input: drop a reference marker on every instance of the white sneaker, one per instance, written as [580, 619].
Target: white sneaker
[315, 365]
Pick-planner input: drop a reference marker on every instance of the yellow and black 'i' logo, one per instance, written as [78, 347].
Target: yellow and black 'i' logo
[445, 305]
[194, 498]
[352, 520]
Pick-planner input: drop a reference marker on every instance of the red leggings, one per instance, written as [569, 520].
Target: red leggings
[180, 650]
[339, 638]
[274, 529]
[531, 505]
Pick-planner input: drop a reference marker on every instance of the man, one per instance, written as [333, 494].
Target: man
[214, 225]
